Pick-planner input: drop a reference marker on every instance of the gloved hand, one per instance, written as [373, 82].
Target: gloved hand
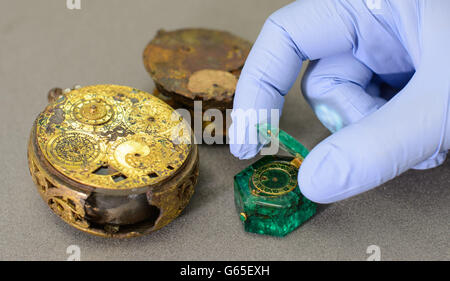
[354, 43]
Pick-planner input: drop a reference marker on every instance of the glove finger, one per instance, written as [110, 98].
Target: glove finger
[322, 28]
[335, 87]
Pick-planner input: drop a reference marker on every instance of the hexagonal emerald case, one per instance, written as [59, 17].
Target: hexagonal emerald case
[266, 193]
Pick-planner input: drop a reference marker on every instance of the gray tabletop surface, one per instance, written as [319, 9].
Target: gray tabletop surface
[44, 44]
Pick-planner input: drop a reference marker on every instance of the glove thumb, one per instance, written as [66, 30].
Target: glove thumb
[404, 132]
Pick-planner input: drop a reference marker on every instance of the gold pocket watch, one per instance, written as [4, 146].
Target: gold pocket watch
[112, 161]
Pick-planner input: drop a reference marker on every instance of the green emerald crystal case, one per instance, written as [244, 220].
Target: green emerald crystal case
[266, 193]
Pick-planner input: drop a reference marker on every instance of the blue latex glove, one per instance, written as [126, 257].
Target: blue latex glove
[405, 43]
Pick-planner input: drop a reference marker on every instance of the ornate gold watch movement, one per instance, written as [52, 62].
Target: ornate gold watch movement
[112, 160]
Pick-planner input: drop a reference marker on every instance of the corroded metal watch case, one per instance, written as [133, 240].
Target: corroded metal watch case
[112, 160]
[196, 64]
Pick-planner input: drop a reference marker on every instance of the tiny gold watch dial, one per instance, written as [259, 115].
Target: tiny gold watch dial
[276, 178]
[113, 137]
[93, 111]
[74, 149]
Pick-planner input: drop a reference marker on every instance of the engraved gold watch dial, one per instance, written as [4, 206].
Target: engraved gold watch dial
[113, 137]
[275, 178]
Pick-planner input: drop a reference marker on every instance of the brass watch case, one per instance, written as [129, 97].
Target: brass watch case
[107, 161]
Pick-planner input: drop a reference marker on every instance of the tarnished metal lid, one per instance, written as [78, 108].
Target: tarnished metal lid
[196, 63]
[113, 137]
